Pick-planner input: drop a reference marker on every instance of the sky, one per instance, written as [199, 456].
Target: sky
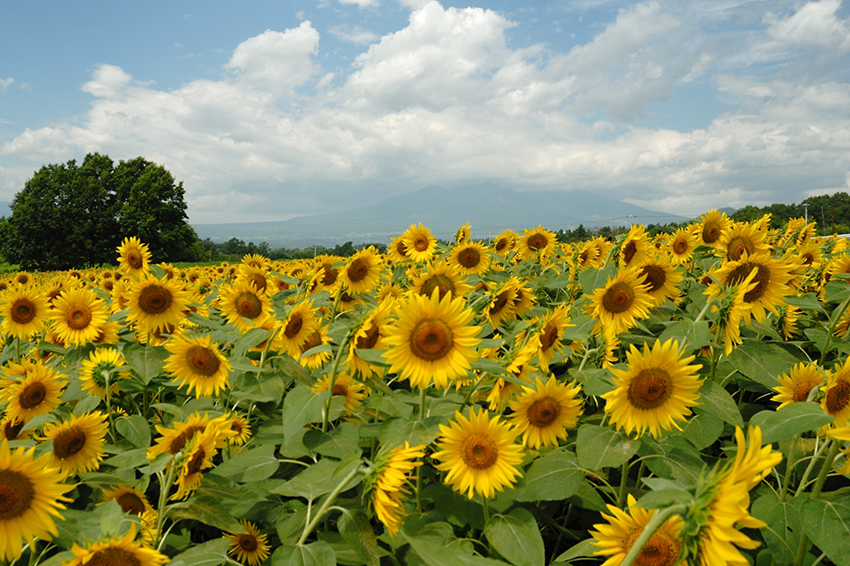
[266, 110]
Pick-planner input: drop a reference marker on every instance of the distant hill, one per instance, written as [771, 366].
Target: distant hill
[488, 208]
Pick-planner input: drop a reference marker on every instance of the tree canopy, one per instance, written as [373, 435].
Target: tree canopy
[75, 215]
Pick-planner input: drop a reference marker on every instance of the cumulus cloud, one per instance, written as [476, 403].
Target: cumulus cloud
[354, 35]
[360, 3]
[813, 25]
[446, 99]
[4, 83]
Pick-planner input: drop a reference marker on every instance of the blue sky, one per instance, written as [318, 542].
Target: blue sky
[265, 110]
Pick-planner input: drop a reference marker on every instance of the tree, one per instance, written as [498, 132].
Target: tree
[70, 215]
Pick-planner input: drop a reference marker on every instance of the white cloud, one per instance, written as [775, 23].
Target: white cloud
[360, 3]
[446, 99]
[813, 25]
[4, 83]
[354, 35]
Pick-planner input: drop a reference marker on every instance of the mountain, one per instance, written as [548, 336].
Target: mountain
[488, 208]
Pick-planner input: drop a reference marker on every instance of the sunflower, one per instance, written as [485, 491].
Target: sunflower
[13, 429]
[173, 440]
[732, 309]
[386, 486]
[479, 454]
[442, 275]
[661, 278]
[78, 442]
[657, 389]
[463, 234]
[362, 273]
[471, 258]
[682, 245]
[635, 246]
[538, 242]
[30, 493]
[243, 305]
[795, 387]
[397, 251]
[318, 337]
[419, 244]
[240, 427]
[103, 364]
[711, 532]
[113, 552]
[544, 414]
[713, 226]
[199, 454]
[24, 311]
[326, 270]
[622, 300]
[157, 303]
[432, 339]
[196, 362]
[344, 386]
[370, 335]
[836, 400]
[618, 536]
[37, 391]
[78, 315]
[741, 238]
[552, 326]
[133, 257]
[810, 254]
[298, 326]
[770, 282]
[525, 298]
[500, 307]
[107, 333]
[250, 547]
[504, 243]
[130, 499]
[258, 277]
[786, 322]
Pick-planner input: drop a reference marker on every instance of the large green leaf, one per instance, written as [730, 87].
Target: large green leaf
[717, 401]
[395, 431]
[551, 478]
[516, 536]
[784, 518]
[357, 532]
[320, 478]
[828, 525]
[259, 389]
[790, 420]
[592, 279]
[439, 555]
[696, 334]
[135, 429]
[252, 465]
[337, 443]
[600, 447]
[317, 553]
[207, 510]
[210, 553]
[703, 430]
[145, 361]
[583, 549]
[762, 361]
[302, 406]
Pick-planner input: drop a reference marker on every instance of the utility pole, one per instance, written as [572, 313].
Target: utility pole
[806, 206]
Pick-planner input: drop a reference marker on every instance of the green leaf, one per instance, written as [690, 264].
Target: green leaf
[583, 549]
[836, 291]
[86, 404]
[340, 441]
[302, 406]
[291, 368]
[207, 510]
[588, 498]
[703, 430]
[516, 536]
[807, 302]
[210, 553]
[317, 553]
[253, 337]
[289, 526]
[828, 525]
[263, 389]
[373, 357]
[146, 362]
[252, 465]
[553, 477]
[357, 532]
[784, 517]
[438, 555]
[761, 361]
[592, 279]
[600, 447]
[789, 420]
[697, 334]
[135, 429]
[128, 459]
[717, 401]
[395, 431]
[320, 478]
[491, 366]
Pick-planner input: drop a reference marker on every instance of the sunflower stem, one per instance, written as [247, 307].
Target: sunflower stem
[164, 488]
[658, 519]
[804, 480]
[824, 472]
[486, 507]
[624, 478]
[789, 467]
[328, 503]
[422, 393]
[836, 316]
[109, 407]
[326, 413]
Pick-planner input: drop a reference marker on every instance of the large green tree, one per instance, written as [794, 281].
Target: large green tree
[70, 215]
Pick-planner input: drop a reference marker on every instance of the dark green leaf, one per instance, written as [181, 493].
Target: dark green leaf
[207, 510]
[317, 553]
[551, 478]
[252, 465]
[135, 429]
[762, 361]
[807, 302]
[145, 361]
[516, 536]
[717, 401]
[340, 441]
[253, 337]
[395, 431]
[302, 406]
[210, 553]
[259, 389]
[703, 430]
[592, 279]
[374, 357]
[583, 549]
[357, 531]
[828, 525]
[790, 420]
[696, 334]
[600, 447]
[784, 517]
[320, 478]
[437, 555]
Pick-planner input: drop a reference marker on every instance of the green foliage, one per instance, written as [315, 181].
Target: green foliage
[75, 215]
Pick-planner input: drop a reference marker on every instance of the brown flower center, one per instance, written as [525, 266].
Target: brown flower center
[629, 251]
[193, 466]
[11, 431]
[737, 246]
[134, 259]
[113, 556]
[618, 298]
[203, 360]
[22, 311]
[78, 317]
[543, 411]
[358, 270]
[293, 327]
[131, 503]
[438, 281]
[655, 277]
[500, 302]
[401, 249]
[257, 280]
[315, 339]
[548, 337]
[370, 339]
[431, 339]
[340, 389]
[838, 396]
[501, 244]
[660, 549]
[762, 279]
[33, 395]
[155, 299]
[710, 232]
[680, 246]
[16, 494]
[479, 451]
[650, 388]
[537, 241]
[248, 305]
[421, 243]
[181, 439]
[329, 276]
[248, 543]
[469, 258]
[69, 442]
[801, 391]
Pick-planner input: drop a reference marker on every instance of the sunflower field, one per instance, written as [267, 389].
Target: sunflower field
[680, 399]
